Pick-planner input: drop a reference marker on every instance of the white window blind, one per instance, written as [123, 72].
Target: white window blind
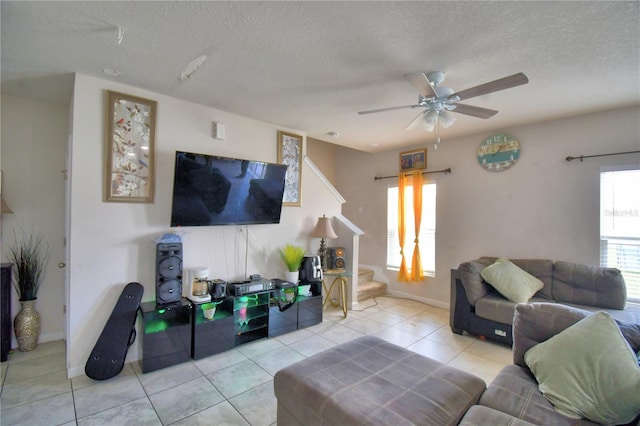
[620, 226]
[427, 235]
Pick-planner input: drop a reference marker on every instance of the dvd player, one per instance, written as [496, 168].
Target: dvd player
[248, 287]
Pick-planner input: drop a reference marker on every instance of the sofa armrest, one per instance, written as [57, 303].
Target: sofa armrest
[469, 274]
[589, 285]
[534, 323]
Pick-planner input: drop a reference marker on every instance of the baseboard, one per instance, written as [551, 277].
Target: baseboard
[75, 371]
[51, 337]
[431, 302]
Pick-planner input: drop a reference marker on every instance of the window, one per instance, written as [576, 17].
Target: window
[427, 235]
[620, 226]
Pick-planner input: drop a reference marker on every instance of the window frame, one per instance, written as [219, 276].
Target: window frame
[632, 275]
[427, 234]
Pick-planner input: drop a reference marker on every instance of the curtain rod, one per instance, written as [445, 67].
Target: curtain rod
[445, 171]
[600, 155]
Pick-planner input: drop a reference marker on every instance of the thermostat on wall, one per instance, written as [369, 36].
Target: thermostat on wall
[218, 130]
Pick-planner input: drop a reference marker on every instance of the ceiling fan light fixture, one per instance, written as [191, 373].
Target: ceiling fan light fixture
[428, 126]
[429, 121]
[444, 92]
[446, 119]
[431, 116]
[435, 77]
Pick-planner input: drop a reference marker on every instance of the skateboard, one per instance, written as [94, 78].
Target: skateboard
[119, 333]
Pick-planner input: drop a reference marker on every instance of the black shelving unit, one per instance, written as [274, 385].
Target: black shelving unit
[167, 334]
[179, 332]
[310, 307]
[283, 318]
[251, 317]
[5, 312]
[212, 336]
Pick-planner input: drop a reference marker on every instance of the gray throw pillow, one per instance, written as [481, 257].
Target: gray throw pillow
[589, 370]
[512, 282]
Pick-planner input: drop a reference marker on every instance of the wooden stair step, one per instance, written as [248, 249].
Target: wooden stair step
[371, 289]
[364, 276]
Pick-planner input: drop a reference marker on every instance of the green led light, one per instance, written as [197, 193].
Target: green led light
[161, 311]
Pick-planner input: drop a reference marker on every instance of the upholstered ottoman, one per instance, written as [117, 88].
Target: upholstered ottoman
[373, 382]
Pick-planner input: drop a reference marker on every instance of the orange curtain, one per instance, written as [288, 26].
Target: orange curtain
[417, 273]
[403, 274]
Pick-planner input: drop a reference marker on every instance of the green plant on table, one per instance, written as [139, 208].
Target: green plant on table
[292, 256]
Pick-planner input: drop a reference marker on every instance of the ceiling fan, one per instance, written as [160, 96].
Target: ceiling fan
[438, 102]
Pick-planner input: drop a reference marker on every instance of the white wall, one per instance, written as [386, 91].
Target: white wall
[542, 207]
[112, 243]
[34, 139]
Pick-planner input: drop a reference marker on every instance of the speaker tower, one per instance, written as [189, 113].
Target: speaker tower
[336, 258]
[168, 273]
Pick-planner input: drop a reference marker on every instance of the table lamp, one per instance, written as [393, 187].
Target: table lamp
[323, 230]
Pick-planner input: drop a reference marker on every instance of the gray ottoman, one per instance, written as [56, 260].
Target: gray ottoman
[369, 381]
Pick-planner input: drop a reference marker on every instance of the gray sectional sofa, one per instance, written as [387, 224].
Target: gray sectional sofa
[479, 309]
[368, 381]
[514, 397]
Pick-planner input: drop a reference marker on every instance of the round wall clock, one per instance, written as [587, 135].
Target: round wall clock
[498, 152]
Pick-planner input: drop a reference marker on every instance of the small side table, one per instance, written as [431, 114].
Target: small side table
[341, 281]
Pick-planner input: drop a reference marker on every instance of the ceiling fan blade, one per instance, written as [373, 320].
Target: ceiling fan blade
[414, 123]
[474, 111]
[421, 82]
[387, 109]
[493, 86]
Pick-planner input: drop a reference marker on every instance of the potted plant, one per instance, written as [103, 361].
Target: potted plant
[29, 256]
[292, 257]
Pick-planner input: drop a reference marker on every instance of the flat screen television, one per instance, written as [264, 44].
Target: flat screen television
[209, 190]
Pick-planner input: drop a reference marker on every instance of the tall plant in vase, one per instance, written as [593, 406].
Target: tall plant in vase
[292, 258]
[29, 256]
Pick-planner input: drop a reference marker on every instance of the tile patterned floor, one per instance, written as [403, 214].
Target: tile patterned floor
[231, 388]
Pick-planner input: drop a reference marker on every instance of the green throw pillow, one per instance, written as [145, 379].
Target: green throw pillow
[589, 370]
[512, 282]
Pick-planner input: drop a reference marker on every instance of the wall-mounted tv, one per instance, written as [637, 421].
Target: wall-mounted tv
[209, 190]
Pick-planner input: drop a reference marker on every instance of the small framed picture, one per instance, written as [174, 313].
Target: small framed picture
[413, 160]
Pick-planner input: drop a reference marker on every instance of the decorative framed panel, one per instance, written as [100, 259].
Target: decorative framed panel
[130, 148]
[290, 153]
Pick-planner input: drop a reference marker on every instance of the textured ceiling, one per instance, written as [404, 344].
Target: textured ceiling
[312, 65]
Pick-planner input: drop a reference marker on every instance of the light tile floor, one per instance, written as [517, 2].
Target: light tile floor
[230, 388]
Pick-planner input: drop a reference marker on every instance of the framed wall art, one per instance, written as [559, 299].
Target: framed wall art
[413, 160]
[130, 148]
[290, 153]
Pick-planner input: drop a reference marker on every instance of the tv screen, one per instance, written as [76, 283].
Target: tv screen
[210, 190]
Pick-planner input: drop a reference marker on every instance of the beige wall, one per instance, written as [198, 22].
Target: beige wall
[323, 155]
[542, 207]
[34, 141]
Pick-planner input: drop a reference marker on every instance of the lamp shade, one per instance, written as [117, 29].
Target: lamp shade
[323, 228]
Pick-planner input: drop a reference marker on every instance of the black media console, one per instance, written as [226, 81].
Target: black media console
[5, 311]
[178, 332]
